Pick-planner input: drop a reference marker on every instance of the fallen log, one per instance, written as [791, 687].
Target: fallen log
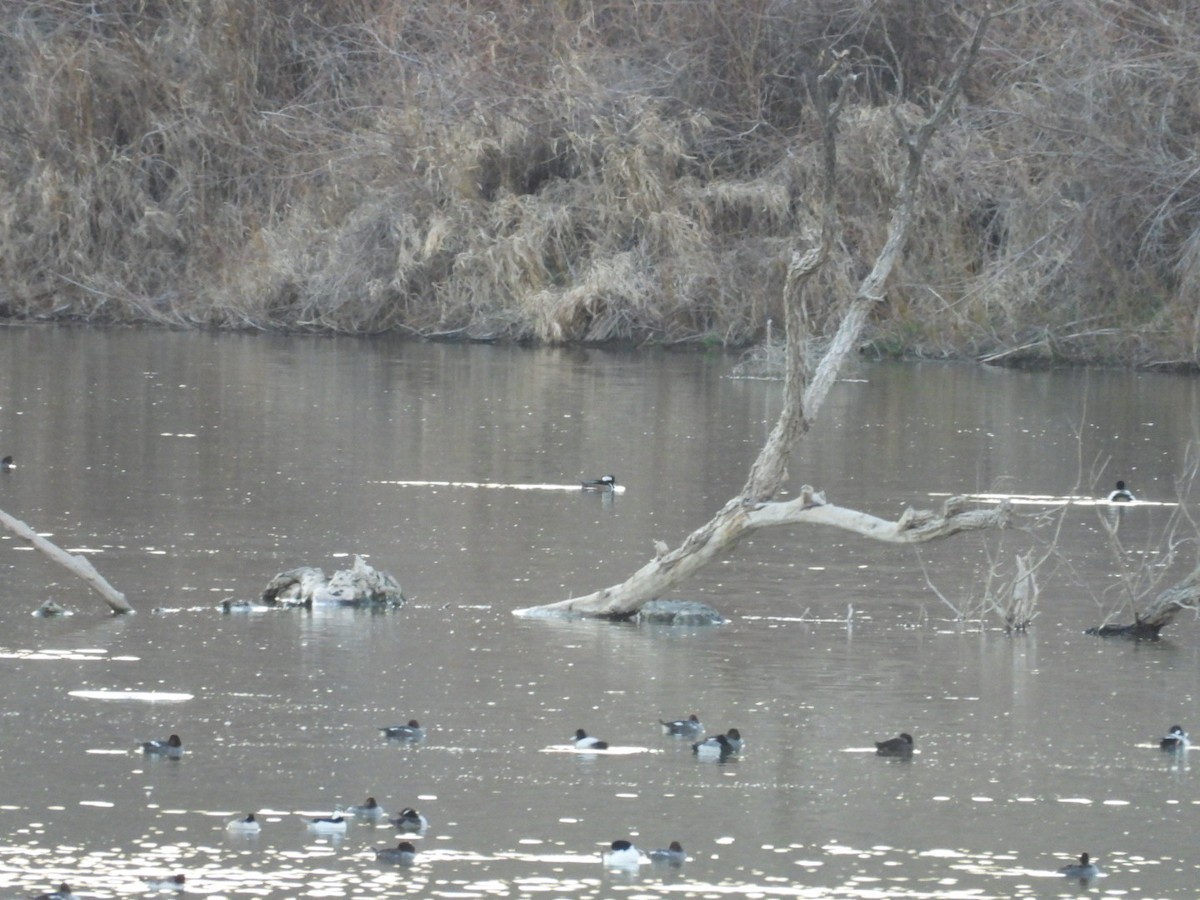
[1161, 613]
[80, 566]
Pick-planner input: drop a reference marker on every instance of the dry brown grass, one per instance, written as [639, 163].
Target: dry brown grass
[582, 170]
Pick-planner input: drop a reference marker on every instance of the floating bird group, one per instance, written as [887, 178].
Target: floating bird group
[620, 854]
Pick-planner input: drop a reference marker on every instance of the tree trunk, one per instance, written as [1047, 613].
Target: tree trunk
[802, 400]
[1162, 612]
[77, 565]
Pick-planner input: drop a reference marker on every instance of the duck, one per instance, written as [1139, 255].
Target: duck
[583, 742]
[410, 732]
[1121, 494]
[901, 745]
[247, 825]
[622, 855]
[1176, 739]
[403, 854]
[172, 747]
[63, 893]
[605, 484]
[672, 856]
[1085, 869]
[689, 727]
[7, 464]
[368, 809]
[327, 825]
[173, 883]
[410, 820]
[715, 747]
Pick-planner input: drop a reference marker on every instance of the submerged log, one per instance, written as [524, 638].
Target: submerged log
[1162, 612]
[80, 566]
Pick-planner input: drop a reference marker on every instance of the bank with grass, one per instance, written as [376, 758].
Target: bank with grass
[577, 171]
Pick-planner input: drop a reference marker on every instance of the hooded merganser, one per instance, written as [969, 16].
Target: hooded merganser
[1176, 739]
[715, 747]
[1085, 869]
[672, 856]
[689, 727]
[172, 747]
[247, 825]
[173, 883]
[410, 732]
[327, 825]
[622, 854]
[403, 854]
[1121, 494]
[603, 484]
[583, 742]
[410, 820]
[7, 464]
[897, 746]
[367, 810]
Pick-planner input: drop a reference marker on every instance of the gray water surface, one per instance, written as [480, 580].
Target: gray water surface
[193, 467]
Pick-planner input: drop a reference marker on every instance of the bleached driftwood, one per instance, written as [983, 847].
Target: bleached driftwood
[721, 534]
[755, 507]
[80, 566]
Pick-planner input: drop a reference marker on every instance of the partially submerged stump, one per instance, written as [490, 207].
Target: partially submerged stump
[360, 586]
[1162, 612]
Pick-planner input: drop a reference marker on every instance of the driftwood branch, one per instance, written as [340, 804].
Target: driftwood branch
[735, 521]
[1160, 614]
[755, 507]
[77, 565]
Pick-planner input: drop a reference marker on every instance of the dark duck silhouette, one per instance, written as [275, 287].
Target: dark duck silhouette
[901, 745]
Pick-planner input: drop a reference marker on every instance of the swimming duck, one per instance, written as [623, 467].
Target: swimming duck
[583, 742]
[174, 883]
[172, 747]
[1084, 870]
[715, 747]
[603, 484]
[7, 464]
[327, 825]
[63, 893]
[897, 746]
[1176, 739]
[622, 855]
[410, 820]
[403, 854]
[369, 809]
[410, 732]
[248, 825]
[672, 856]
[1121, 494]
[689, 727]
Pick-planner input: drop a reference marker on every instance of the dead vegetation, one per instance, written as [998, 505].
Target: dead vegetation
[594, 171]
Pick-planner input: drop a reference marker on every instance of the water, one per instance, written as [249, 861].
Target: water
[193, 467]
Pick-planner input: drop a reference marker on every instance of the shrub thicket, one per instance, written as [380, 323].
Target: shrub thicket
[587, 170]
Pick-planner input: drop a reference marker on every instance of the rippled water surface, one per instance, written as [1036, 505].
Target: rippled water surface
[192, 467]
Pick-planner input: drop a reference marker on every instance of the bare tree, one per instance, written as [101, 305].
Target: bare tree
[755, 507]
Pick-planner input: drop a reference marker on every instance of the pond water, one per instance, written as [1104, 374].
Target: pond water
[192, 467]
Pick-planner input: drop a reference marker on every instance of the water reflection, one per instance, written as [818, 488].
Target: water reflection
[205, 464]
